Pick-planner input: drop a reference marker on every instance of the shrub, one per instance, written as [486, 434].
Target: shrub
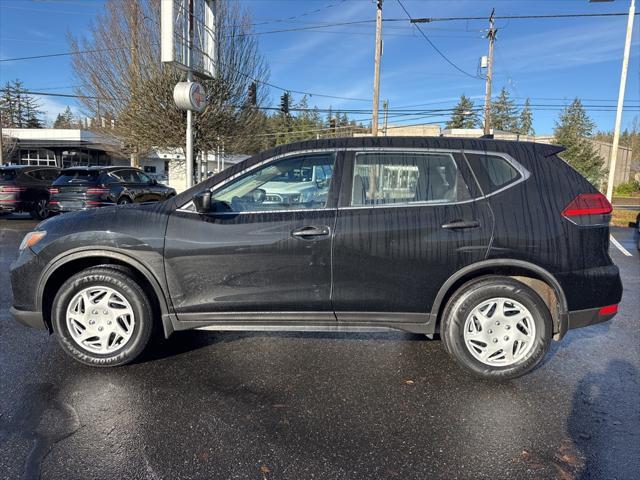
[627, 188]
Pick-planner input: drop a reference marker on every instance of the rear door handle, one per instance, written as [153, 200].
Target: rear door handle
[461, 224]
[310, 231]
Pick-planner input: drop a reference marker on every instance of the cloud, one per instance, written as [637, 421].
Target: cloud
[306, 46]
[51, 107]
[564, 48]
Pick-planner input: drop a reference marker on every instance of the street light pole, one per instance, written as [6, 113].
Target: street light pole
[189, 133]
[623, 82]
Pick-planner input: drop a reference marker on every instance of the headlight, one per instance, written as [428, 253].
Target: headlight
[32, 238]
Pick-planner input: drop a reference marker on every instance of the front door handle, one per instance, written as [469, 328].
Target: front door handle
[461, 224]
[310, 231]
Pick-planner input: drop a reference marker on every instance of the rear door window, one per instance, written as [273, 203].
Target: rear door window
[140, 177]
[384, 178]
[493, 172]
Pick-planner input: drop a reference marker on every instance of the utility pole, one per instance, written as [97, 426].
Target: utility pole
[376, 72]
[487, 93]
[385, 107]
[623, 83]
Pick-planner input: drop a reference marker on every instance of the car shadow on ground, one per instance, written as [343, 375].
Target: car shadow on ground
[602, 427]
[188, 341]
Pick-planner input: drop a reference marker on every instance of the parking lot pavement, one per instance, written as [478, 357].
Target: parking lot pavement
[301, 406]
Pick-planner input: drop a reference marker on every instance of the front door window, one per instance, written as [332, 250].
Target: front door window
[287, 184]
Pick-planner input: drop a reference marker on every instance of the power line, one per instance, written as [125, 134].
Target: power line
[518, 17]
[436, 48]
[62, 54]
[306, 14]
[364, 111]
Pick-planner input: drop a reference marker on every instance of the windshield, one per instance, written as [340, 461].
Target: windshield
[77, 176]
[7, 175]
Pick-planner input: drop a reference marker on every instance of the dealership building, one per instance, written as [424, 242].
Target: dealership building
[78, 147]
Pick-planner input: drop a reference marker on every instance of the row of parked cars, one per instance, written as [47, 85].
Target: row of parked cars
[42, 191]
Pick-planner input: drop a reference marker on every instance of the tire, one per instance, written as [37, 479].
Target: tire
[124, 201]
[124, 292]
[470, 317]
[40, 210]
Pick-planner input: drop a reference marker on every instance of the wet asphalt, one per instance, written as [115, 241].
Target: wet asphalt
[325, 406]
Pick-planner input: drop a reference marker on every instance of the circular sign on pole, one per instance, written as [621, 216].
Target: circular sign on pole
[190, 96]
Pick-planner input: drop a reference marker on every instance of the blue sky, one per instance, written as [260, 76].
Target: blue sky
[552, 61]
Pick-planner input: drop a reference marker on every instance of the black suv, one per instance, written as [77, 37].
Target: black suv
[26, 189]
[496, 246]
[79, 188]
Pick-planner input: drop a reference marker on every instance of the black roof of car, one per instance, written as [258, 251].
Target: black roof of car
[451, 143]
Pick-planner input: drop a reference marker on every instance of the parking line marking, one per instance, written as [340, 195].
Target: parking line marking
[617, 244]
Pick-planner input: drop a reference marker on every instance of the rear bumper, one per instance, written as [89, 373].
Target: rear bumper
[590, 316]
[14, 206]
[60, 207]
[586, 292]
[29, 319]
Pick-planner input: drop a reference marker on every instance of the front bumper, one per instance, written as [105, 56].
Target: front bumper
[29, 319]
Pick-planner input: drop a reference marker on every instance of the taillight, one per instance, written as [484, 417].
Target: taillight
[54, 191]
[11, 189]
[588, 204]
[97, 191]
[608, 310]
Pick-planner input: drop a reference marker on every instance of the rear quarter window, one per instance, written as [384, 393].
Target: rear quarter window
[493, 172]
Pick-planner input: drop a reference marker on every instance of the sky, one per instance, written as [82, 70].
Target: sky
[550, 61]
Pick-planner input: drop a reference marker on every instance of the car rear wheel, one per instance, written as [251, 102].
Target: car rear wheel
[496, 328]
[40, 210]
[102, 317]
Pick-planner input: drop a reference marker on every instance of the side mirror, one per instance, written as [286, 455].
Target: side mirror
[321, 183]
[202, 201]
[154, 181]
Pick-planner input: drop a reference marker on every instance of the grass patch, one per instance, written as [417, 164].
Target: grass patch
[621, 218]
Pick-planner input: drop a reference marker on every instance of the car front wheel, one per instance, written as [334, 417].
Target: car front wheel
[102, 317]
[496, 328]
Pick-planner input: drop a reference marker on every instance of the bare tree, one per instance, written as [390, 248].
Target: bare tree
[120, 77]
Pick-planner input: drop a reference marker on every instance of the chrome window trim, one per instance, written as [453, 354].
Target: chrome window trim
[524, 175]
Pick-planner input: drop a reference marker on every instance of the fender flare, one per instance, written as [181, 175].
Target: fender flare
[563, 318]
[95, 252]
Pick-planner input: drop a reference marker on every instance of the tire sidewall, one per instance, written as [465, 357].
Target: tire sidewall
[124, 286]
[469, 297]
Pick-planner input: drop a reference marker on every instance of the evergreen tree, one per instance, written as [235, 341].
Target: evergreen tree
[525, 126]
[18, 109]
[64, 119]
[573, 129]
[504, 115]
[463, 115]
